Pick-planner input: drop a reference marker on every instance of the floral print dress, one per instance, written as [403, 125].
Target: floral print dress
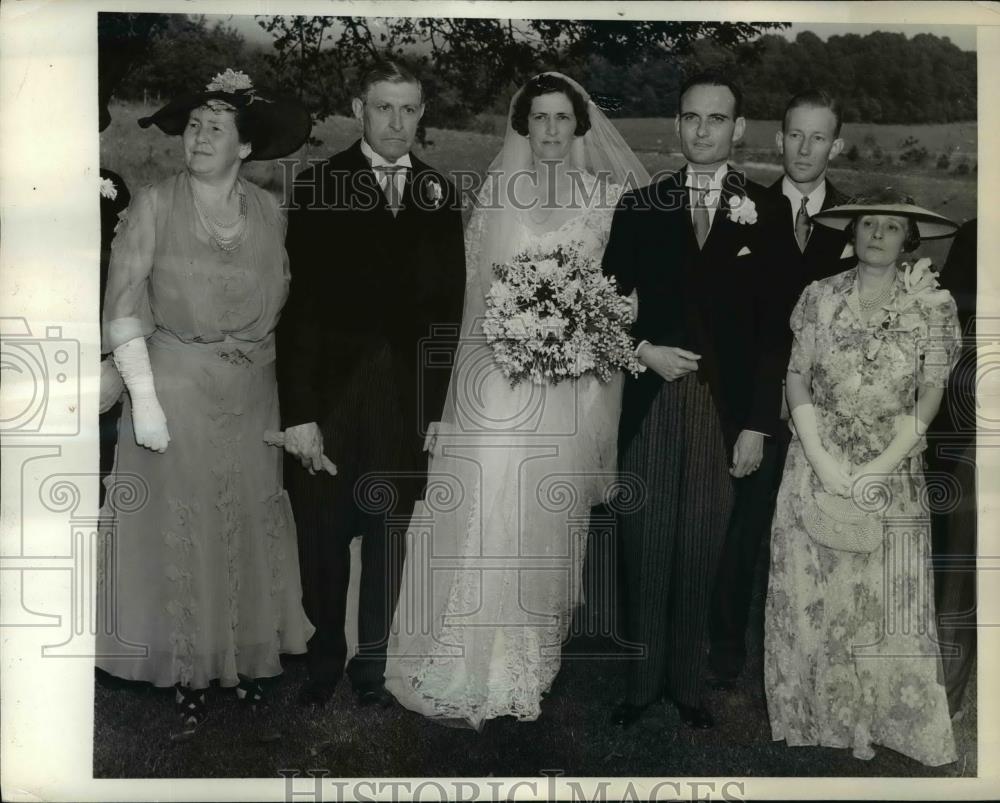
[851, 654]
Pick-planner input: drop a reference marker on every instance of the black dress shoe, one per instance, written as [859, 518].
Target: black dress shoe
[316, 692]
[626, 714]
[722, 682]
[373, 694]
[695, 716]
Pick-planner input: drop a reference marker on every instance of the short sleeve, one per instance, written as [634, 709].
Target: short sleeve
[803, 325]
[940, 348]
[127, 310]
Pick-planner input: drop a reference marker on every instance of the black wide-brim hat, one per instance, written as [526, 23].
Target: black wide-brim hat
[930, 224]
[275, 127]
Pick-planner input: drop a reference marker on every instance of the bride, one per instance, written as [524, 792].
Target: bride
[495, 553]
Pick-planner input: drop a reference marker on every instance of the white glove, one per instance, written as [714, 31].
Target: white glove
[909, 432]
[148, 420]
[112, 386]
[834, 477]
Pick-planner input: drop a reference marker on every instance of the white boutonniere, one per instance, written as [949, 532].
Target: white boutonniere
[108, 189]
[435, 192]
[742, 210]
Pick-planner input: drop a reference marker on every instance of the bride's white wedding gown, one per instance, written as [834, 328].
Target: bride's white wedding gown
[495, 552]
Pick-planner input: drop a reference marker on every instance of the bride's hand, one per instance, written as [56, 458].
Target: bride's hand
[430, 440]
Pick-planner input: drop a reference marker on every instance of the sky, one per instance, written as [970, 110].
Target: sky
[963, 36]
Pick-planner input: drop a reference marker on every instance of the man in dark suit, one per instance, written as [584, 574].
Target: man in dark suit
[799, 253]
[951, 453]
[378, 268]
[698, 416]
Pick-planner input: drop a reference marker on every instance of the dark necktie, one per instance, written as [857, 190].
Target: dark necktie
[700, 216]
[388, 173]
[802, 225]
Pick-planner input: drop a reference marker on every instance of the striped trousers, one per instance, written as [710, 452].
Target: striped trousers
[671, 543]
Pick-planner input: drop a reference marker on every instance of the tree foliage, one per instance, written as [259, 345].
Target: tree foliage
[633, 68]
[186, 52]
[471, 63]
[879, 78]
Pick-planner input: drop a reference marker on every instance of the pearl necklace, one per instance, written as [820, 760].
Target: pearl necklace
[214, 226]
[874, 302]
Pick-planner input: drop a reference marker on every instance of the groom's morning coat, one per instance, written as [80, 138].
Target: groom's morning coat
[366, 290]
[713, 301]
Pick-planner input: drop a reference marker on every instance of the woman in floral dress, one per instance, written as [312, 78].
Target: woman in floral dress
[851, 656]
[202, 583]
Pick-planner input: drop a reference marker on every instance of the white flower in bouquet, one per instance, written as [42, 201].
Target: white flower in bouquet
[546, 268]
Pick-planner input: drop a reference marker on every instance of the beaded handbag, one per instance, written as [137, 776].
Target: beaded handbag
[836, 523]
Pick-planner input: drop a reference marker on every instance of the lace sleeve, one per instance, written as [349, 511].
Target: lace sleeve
[127, 310]
[475, 229]
[605, 202]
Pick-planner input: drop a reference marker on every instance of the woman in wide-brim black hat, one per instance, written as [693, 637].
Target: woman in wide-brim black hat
[205, 572]
[851, 657]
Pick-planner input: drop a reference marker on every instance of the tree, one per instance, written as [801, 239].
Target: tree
[479, 59]
[184, 55]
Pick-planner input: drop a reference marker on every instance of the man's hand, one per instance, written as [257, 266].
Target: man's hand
[430, 440]
[305, 442]
[670, 362]
[747, 453]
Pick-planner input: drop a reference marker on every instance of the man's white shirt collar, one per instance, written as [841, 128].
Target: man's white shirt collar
[377, 160]
[814, 202]
[713, 185]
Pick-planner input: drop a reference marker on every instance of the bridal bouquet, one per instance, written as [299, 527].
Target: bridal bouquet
[553, 315]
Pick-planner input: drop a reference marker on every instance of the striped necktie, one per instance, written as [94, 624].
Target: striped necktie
[700, 216]
[802, 225]
[388, 173]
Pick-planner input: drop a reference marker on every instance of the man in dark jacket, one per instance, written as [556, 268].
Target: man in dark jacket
[378, 270]
[798, 253]
[690, 246]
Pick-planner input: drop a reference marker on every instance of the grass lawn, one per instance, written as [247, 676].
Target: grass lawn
[131, 727]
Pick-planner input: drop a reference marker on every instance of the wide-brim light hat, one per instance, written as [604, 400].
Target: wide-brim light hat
[275, 126]
[929, 224]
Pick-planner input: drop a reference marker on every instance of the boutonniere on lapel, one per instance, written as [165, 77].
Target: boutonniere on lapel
[742, 210]
[108, 189]
[435, 193]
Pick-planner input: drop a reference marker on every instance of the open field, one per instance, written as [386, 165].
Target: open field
[657, 134]
[143, 156]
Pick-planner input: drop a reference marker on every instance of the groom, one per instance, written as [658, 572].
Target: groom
[377, 261]
[696, 419]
